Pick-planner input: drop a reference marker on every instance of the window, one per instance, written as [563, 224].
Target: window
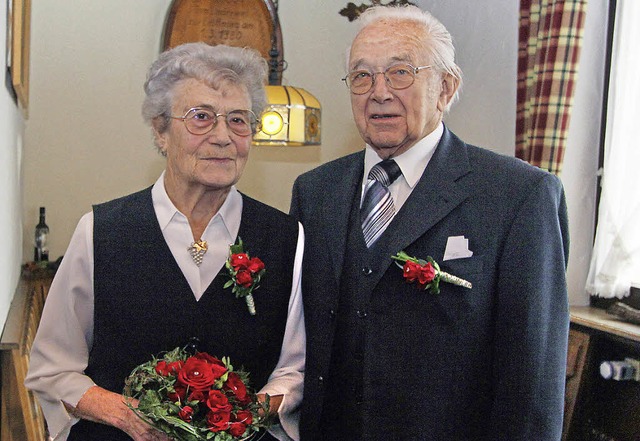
[615, 261]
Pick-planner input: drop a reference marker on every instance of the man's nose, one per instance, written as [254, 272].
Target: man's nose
[380, 88]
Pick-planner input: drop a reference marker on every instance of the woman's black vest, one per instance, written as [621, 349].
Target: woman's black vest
[144, 305]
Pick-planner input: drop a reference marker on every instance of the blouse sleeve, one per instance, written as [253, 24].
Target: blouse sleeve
[60, 350]
[287, 378]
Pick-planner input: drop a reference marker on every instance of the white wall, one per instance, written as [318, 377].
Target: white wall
[11, 129]
[86, 143]
[85, 140]
[581, 157]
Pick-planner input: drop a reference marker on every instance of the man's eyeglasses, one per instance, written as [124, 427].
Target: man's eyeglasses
[199, 121]
[398, 76]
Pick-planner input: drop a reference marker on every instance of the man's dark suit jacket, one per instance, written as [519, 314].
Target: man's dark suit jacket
[481, 364]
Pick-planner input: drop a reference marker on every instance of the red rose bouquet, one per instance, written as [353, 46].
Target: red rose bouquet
[426, 273]
[196, 397]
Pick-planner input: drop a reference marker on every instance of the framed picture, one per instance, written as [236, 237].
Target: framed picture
[18, 44]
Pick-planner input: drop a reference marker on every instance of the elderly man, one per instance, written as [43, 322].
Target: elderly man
[401, 351]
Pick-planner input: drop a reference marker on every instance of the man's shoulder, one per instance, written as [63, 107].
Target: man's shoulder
[335, 167]
[258, 207]
[501, 166]
[262, 214]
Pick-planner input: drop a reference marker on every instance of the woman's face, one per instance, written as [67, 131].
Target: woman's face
[214, 160]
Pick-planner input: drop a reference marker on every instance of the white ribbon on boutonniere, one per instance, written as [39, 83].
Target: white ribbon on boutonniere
[426, 273]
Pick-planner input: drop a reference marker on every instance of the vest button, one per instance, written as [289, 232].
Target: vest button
[332, 313]
[320, 379]
[361, 313]
[366, 270]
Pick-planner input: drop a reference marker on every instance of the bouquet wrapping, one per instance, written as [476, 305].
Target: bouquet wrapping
[196, 397]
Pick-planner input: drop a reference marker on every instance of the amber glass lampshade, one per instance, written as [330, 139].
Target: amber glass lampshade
[291, 118]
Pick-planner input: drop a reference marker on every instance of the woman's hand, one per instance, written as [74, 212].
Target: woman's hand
[102, 406]
[274, 403]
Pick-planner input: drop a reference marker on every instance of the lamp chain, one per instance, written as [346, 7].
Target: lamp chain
[275, 67]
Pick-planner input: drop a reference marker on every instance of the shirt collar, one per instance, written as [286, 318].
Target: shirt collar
[230, 212]
[413, 161]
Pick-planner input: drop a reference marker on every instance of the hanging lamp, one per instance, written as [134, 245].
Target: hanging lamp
[292, 116]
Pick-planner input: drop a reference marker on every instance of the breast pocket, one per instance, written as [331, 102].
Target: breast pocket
[456, 301]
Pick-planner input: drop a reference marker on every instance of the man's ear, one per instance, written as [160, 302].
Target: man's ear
[449, 87]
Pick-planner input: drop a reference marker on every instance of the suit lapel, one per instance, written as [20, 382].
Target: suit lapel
[339, 196]
[436, 194]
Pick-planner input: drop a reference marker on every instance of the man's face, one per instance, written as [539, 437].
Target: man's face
[389, 120]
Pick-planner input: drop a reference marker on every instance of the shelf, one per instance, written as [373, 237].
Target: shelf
[598, 319]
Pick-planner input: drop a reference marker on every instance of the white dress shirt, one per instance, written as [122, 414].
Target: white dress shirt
[412, 163]
[65, 335]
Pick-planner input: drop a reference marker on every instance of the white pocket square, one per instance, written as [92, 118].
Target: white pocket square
[457, 248]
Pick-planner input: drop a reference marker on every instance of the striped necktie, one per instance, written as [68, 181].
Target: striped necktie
[377, 205]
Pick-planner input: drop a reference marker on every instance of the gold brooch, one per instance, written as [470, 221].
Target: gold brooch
[197, 251]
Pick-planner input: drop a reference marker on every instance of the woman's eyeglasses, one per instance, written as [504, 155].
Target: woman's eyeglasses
[200, 121]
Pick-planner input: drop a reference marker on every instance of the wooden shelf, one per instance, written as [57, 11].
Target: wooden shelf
[596, 318]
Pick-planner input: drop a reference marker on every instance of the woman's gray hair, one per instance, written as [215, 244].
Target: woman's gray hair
[214, 65]
[437, 39]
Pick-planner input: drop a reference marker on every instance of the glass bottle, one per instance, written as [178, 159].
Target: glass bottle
[41, 250]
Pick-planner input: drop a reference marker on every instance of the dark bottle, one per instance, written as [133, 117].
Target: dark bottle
[41, 250]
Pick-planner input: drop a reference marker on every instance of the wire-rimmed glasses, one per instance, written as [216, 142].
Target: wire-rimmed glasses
[199, 121]
[398, 76]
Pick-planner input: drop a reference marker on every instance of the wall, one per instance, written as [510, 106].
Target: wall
[11, 130]
[86, 143]
[581, 157]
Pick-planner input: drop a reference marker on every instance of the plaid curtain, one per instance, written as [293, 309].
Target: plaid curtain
[550, 39]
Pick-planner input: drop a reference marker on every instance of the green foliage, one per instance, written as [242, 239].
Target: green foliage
[155, 406]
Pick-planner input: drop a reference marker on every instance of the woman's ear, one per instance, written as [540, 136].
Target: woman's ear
[159, 129]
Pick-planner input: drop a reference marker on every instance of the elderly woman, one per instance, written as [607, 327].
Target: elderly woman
[145, 273]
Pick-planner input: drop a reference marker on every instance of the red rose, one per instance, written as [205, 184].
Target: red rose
[180, 392]
[209, 358]
[244, 278]
[217, 401]
[237, 429]
[255, 265]
[235, 385]
[162, 369]
[411, 271]
[198, 395]
[217, 366]
[243, 416]
[239, 261]
[423, 274]
[239, 422]
[427, 274]
[197, 374]
[218, 421]
[186, 414]
[165, 369]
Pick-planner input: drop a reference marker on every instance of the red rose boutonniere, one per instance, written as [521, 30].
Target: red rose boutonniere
[245, 273]
[426, 273]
